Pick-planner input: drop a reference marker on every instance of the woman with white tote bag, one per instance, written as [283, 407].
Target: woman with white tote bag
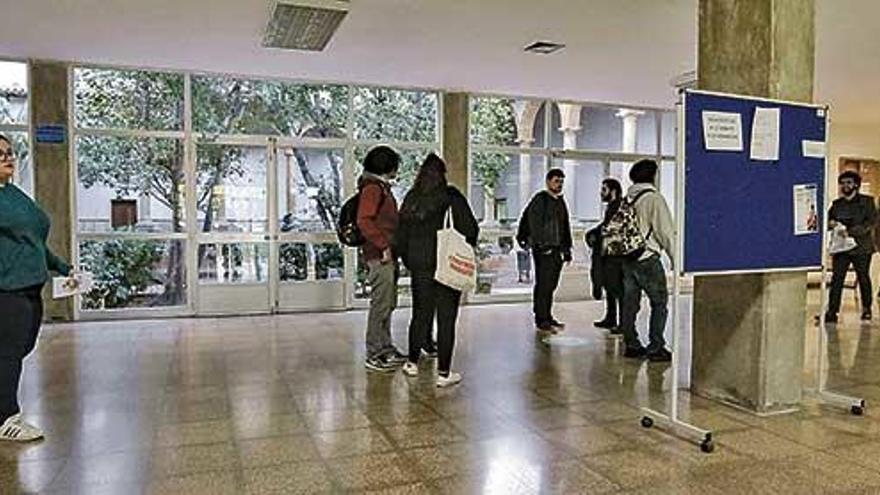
[433, 209]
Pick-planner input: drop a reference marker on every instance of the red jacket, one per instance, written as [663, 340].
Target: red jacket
[377, 216]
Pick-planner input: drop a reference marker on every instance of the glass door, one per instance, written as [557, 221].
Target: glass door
[234, 249]
[310, 274]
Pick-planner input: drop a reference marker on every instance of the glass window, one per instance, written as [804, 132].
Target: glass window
[130, 184]
[233, 263]
[293, 262]
[667, 183]
[24, 170]
[604, 129]
[507, 122]
[134, 273]
[13, 93]
[225, 105]
[502, 184]
[309, 189]
[503, 267]
[127, 99]
[395, 115]
[669, 123]
[329, 261]
[232, 188]
[583, 185]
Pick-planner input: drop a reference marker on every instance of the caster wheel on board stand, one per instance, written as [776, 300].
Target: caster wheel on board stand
[857, 410]
[647, 422]
[707, 446]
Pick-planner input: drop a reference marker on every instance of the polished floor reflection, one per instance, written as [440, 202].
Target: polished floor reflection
[283, 405]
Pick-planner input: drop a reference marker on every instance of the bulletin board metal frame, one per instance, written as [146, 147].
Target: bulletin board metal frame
[736, 215]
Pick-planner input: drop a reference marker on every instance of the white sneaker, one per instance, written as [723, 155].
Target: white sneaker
[410, 369]
[16, 430]
[448, 381]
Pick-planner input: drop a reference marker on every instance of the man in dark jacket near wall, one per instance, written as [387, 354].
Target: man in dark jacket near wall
[857, 213]
[544, 228]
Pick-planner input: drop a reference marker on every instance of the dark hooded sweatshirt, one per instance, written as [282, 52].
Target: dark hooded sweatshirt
[416, 240]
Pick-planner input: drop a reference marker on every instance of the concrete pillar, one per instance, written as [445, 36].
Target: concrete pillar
[749, 330]
[525, 113]
[570, 126]
[456, 139]
[630, 128]
[52, 185]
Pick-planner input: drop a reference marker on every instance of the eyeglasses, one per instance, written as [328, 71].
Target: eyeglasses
[7, 156]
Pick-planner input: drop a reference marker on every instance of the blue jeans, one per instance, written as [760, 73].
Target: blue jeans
[648, 276]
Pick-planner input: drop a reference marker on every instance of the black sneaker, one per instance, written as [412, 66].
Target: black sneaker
[635, 352]
[605, 323]
[396, 358]
[430, 350]
[660, 356]
[545, 327]
[557, 325]
[866, 315]
[380, 364]
[830, 318]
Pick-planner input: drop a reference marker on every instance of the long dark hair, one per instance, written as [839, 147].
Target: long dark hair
[428, 193]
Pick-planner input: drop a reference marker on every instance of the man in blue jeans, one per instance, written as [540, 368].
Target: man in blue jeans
[646, 272]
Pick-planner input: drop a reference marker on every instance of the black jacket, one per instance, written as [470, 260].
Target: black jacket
[416, 240]
[859, 215]
[544, 224]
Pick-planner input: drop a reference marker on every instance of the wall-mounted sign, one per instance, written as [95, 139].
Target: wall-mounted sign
[51, 134]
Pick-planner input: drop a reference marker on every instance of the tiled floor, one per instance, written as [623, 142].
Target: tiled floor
[283, 405]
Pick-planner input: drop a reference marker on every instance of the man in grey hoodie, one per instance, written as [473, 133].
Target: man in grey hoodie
[646, 273]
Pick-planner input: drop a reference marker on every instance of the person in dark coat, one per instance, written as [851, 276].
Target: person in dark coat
[545, 229]
[422, 214]
[606, 272]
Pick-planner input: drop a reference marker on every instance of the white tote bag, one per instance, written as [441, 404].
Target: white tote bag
[456, 259]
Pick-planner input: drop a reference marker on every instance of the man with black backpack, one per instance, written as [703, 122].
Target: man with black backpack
[376, 225]
[645, 231]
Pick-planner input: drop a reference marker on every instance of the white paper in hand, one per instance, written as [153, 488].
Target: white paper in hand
[839, 242]
[78, 283]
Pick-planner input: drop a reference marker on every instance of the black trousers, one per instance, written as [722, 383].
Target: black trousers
[548, 267]
[840, 263]
[612, 282]
[21, 313]
[431, 298]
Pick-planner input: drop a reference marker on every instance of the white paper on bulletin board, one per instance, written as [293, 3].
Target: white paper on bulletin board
[806, 219]
[765, 135]
[722, 131]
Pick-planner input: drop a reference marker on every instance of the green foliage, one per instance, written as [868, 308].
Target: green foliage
[122, 269]
[395, 115]
[123, 99]
[492, 122]
[292, 260]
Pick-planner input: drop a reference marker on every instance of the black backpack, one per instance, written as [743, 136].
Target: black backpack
[346, 227]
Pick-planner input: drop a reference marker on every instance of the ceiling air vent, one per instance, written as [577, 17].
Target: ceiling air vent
[544, 47]
[304, 24]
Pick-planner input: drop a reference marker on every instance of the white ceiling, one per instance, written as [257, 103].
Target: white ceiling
[623, 51]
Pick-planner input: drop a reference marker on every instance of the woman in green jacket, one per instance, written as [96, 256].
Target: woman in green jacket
[25, 262]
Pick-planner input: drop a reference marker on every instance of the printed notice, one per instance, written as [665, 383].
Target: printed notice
[765, 135]
[813, 149]
[78, 283]
[806, 219]
[722, 131]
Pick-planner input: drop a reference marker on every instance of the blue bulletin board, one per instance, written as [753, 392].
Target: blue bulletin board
[742, 214]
